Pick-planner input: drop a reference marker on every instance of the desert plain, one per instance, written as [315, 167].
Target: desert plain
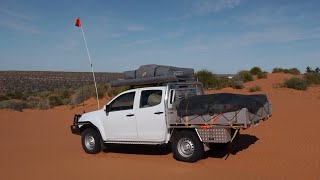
[38, 144]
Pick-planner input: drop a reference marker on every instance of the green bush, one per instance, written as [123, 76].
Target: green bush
[207, 78]
[294, 71]
[3, 97]
[14, 94]
[244, 76]
[103, 89]
[55, 100]
[83, 94]
[33, 102]
[277, 70]
[236, 84]
[65, 94]
[296, 83]
[254, 88]
[312, 78]
[43, 104]
[116, 90]
[14, 104]
[262, 75]
[255, 70]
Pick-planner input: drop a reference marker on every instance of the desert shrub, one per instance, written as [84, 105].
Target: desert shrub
[277, 70]
[254, 88]
[102, 89]
[113, 91]
[43, 104]
[55, 100]
[296, 83]
[14, 104]
[244, 76]
[294, 71]
[207, 78]
[83, 94]
[3, 97]
[262, 75]
[14, 94]
[236, 84]
[255, 70]
[312, 78]
[65, 94]
[32, 102]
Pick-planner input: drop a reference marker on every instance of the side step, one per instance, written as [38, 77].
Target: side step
[132, 142]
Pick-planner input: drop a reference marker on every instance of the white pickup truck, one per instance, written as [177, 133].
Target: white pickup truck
[149, 116]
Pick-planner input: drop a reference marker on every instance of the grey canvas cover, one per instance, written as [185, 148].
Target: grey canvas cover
[220, 103]
[153, 70]
[154, 74]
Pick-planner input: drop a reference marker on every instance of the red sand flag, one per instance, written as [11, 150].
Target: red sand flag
[78, 22]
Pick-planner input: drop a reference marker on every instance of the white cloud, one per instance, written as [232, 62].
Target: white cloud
[135, 28]
[212, 6]
[178, 18]
[173, 34]
[17, 21]
[276, 35]
[142, 41]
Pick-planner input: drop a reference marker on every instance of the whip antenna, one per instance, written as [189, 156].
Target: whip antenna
[78, 24]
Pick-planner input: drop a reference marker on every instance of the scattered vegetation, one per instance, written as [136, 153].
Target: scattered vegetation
[255, 70]
[48, 99]
[293, 71]
[309, 70]
[254, 88]
[262, 75]
[309, 78]
[296, 83]
[208, 79]
[244, 76]
[312, 78]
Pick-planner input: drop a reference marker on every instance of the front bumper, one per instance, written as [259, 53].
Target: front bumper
[75, 127]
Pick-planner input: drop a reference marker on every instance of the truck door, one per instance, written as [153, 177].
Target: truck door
[120, 122]
[150, 115]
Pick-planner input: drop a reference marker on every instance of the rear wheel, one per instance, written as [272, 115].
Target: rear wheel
[91, 141]
[187, 147]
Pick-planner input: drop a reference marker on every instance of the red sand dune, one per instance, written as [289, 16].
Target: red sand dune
[38, 144]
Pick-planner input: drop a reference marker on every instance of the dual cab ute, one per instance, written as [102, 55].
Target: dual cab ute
[161, 115]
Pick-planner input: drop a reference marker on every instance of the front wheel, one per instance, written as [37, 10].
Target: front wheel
[187, 147]
[90, 140]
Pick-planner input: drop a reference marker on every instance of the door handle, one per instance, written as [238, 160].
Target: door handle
[158, 112]
[129, 115]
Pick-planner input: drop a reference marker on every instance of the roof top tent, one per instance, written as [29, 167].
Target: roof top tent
[153, 74]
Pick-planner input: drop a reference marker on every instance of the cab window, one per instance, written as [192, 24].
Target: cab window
[123, 102]
[150, 98]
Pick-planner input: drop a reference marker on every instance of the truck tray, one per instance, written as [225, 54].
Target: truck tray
[237, 119]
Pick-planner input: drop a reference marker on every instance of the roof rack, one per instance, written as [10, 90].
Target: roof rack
[149, 81]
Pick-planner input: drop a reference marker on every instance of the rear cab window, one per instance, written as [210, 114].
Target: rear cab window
[150, 98]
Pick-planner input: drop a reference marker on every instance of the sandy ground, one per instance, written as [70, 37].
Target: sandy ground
[39, 145]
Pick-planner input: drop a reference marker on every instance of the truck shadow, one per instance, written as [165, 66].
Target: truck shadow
[217, 150]
[139, 149]
[242, 142]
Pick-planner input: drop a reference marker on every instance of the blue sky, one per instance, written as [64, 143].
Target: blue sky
[223, 36]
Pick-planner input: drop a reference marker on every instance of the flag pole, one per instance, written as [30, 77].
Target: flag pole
[94, 78]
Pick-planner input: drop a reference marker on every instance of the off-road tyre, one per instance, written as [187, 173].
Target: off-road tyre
[187, 147]
[91, 141]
